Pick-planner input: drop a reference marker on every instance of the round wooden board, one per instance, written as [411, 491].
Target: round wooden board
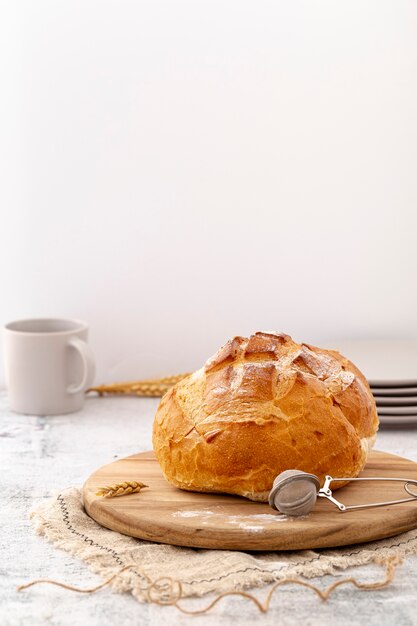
[165, 514]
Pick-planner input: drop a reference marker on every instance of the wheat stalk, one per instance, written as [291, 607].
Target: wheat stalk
[120, 489]
[151, 388]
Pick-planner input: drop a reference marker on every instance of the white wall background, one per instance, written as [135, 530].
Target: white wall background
[176, 172]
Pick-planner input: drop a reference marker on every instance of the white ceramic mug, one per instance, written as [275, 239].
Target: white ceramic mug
[49, 365]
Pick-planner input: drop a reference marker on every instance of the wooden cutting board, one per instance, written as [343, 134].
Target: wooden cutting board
[165, 514]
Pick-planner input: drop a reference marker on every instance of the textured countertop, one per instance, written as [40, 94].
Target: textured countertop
[40, 456]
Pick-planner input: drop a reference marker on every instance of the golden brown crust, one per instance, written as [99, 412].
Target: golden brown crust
[258, 407]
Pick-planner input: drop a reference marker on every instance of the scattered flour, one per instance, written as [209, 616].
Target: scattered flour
[252, 523]
[192, 513]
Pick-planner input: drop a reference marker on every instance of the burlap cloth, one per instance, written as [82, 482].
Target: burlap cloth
[63, 522]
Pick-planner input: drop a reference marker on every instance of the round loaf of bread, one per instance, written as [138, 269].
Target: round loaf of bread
[259, 406]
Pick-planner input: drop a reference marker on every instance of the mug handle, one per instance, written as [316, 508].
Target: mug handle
[89, 367]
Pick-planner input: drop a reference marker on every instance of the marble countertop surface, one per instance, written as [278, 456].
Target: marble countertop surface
[41, 455]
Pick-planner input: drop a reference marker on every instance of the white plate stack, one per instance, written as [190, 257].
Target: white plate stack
[391, 369]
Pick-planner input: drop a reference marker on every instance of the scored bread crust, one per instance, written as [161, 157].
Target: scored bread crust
[259, 406]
